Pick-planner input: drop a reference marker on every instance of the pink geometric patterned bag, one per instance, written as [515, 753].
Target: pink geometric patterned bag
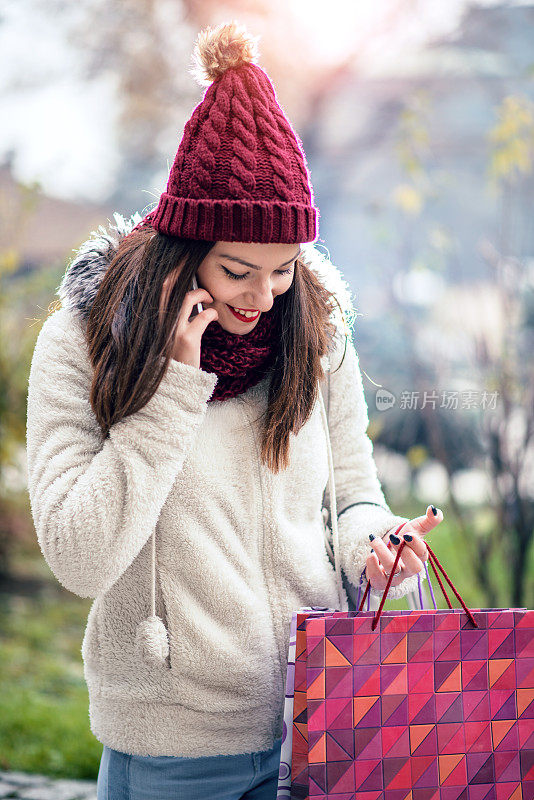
[410, 705]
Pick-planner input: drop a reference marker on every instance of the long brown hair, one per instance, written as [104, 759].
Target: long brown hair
[130, 343]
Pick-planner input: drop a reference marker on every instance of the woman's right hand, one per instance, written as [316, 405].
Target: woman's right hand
[189, 333]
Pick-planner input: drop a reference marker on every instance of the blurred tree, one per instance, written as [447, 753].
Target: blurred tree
[146, 46]
[415, 351]
[448, 437]
[19, 295]
[497, 355]
[451, 438]
[508, 368]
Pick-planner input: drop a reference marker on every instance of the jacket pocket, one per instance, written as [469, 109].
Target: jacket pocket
[161, 611]
[90, 645]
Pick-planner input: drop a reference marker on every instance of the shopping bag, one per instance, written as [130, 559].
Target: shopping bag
[411, 705]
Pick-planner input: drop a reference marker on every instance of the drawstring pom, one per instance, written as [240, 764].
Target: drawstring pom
[151, 637]
[152, 640]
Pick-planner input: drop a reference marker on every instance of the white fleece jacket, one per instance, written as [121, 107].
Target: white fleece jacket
[238, 548]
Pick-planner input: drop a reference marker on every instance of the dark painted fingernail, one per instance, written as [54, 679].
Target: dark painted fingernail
[434, 510]
[371, 536]
[407, 537]
[394, 539]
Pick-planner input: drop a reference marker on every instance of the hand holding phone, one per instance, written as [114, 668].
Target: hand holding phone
[200, 308]
[190, 326]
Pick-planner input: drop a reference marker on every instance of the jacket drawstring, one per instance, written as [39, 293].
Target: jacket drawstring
[152, 638]
[343, 603]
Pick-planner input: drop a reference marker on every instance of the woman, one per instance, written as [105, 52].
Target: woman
[177, 452]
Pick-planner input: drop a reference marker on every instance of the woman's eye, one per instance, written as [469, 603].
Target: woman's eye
[233, 275]
[289, 270]
[240, 277]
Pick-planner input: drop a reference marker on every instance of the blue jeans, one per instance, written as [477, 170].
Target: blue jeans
[250, 776]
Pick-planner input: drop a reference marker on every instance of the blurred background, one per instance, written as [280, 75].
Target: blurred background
[417, 118]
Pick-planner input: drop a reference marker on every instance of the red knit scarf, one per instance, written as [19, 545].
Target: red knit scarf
[239, 361]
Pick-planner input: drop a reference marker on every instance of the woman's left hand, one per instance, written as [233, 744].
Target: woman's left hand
[380, 563]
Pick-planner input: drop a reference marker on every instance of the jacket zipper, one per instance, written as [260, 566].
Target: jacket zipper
[278, 671]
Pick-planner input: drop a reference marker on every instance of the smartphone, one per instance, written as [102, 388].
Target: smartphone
[195, 286]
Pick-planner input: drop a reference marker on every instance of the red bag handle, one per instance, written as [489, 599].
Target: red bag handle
[435, 564]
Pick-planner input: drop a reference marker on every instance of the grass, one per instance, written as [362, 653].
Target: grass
[44, 722]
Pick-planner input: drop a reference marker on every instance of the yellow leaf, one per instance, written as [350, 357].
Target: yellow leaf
[417, 455]
[9, 261]
[408, 199]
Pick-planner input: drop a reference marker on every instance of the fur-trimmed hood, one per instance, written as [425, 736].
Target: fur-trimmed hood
[79, 285]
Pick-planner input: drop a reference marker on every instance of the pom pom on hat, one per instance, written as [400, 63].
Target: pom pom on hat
[224, 47]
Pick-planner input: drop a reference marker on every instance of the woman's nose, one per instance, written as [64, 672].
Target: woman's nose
[262, 297]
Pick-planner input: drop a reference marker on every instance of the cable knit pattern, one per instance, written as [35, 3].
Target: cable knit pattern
[299, 157]
[204, 156]
[272, 139]
[181, 179]
[242, 180]
[237, 547]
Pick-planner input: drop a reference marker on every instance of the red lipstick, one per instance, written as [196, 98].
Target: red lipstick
[240, 317]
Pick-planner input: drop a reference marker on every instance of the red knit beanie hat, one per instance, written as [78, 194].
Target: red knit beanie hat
[240, 173]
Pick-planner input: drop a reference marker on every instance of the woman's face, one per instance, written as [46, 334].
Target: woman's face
[246, 276]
